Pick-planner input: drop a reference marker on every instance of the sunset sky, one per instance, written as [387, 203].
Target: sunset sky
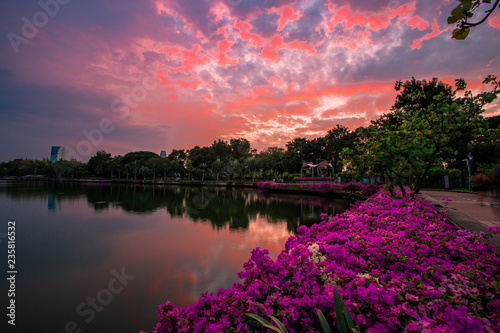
[124, 75]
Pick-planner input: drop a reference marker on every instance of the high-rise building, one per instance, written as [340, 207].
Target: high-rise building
[163, 154]
[56, 153]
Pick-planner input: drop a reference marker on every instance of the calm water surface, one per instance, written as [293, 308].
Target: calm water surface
[102, 258]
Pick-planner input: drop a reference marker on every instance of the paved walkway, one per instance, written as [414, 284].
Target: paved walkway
[465, 210]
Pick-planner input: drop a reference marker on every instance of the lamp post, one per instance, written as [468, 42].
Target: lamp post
[468, 160]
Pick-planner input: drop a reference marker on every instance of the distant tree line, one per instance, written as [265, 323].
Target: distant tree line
[427, 127]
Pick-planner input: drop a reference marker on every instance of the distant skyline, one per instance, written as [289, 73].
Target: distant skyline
[155, 75]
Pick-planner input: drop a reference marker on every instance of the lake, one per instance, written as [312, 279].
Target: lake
[103, 257]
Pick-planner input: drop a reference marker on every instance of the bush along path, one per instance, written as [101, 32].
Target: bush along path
[398, 265]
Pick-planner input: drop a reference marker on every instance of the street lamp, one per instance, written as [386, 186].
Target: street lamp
[468, 160]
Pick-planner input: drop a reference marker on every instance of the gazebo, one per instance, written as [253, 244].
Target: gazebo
[322, 165]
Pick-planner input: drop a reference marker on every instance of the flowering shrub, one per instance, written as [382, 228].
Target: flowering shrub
[494, 229]
[369, 190]
[397, 263]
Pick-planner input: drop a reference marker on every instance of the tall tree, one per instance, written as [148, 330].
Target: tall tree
[217, 168]
[337, 139]
[221, 149]
[240, 149]
[429, 117]
[97, 164]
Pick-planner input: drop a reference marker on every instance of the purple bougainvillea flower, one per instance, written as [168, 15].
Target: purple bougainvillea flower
[398, 264]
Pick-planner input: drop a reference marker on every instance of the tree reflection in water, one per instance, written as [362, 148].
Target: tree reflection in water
[223, 207]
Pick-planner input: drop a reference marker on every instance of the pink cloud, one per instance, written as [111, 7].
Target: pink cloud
[224, 47]
[436, 31]
[494, 21]
[252, 39]
[286, 14]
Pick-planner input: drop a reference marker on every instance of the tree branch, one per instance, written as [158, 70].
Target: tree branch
[465, 24]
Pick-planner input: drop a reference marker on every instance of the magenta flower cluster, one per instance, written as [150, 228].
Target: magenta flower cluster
[398, 264]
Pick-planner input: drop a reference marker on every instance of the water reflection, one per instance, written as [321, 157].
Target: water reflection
[179, 242]
[233, 208]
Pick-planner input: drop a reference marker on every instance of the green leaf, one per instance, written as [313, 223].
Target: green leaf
[324, 323]
[338, 310]
[347, 315]
[467, 4]
[457, 10]
[461, 34]
[452, 20]
[279, 324]
[263, 322]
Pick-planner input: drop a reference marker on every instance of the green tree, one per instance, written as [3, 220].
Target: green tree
[202, 158]
[203, 167]
[134, 167]
[428, 117]
[221, 149]
[240, 149]
[178, 155]
[189, 167]
[252, 164]
[114, 164]
[271, 160]
[155, 164]
[337, 139]
[175, 168]
[97, 164]
[144, 171]
[295, 153]
[217, 167]
[233, 167]
[165, 166]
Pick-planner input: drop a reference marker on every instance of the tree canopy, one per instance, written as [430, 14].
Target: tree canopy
[426, 120]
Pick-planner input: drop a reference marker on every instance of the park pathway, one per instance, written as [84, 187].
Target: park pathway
[465, 210]
[468, 204]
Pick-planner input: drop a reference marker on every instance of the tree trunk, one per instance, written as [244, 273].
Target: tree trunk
[418, 181]
[400, 185]
[391, 185]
